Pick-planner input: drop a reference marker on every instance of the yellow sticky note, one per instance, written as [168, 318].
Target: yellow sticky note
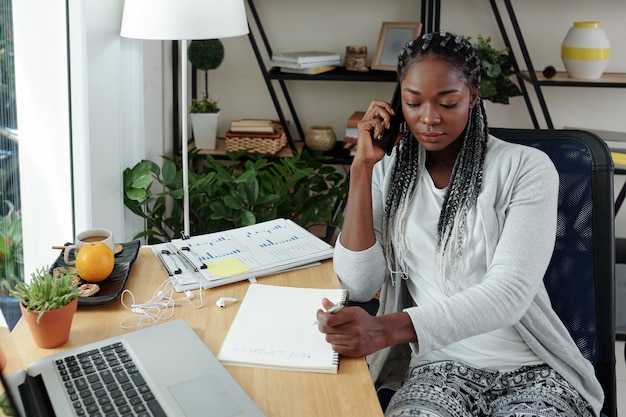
[227, 267]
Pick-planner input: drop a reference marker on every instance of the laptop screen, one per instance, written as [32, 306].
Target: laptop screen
[7, 404]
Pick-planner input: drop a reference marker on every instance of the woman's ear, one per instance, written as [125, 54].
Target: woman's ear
[474, 97]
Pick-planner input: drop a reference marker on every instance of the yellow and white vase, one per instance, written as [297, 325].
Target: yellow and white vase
[585, 51]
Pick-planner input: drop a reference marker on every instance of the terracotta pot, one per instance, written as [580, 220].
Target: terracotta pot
[54, 327]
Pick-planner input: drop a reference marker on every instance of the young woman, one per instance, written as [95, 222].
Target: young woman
[456, 228]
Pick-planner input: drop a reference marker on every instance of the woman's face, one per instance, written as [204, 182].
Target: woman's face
[436, 100]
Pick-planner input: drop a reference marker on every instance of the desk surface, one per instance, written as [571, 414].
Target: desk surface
[278, 393]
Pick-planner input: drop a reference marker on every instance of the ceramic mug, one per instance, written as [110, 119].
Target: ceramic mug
[89, 236]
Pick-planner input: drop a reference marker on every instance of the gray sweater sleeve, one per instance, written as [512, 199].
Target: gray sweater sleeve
[361, 273]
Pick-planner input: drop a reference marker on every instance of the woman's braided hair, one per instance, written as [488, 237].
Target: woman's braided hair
[466, 179]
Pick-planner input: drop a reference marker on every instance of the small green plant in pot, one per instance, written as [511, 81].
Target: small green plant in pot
[205, 55]
[48, 303]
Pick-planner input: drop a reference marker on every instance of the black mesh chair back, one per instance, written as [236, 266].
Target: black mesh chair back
[581, 276]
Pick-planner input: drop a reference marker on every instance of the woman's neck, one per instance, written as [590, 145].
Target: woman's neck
[439, 164]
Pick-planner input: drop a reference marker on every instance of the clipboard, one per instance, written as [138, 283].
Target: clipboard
[220, 258]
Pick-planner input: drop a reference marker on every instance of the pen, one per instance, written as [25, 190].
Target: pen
[335, 308]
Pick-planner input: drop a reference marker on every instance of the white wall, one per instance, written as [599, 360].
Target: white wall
[43, 120]
[80, 124]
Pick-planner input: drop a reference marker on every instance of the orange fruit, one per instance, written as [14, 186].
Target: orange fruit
[95, 262]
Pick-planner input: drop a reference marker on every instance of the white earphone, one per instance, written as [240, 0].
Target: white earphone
[160, 307]
[221, 302]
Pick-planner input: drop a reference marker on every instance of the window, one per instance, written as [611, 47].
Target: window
[11, 253]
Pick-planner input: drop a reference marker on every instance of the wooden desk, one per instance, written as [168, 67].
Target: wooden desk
[278, 393]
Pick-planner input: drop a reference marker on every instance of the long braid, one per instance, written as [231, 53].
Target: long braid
[409, 158]
[466, 180]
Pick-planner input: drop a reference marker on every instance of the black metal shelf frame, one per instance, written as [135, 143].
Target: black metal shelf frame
[530, 75]
[430, 12]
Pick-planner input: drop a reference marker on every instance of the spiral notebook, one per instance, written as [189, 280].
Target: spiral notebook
[275, 328]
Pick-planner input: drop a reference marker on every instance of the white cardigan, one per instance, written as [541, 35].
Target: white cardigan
[517, 205]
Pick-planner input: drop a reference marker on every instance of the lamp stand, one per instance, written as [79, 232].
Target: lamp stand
[185, 135]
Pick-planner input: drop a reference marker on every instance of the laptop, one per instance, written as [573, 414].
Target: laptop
[164, 370]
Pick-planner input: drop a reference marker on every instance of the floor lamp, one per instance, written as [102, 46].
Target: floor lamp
[183, 20]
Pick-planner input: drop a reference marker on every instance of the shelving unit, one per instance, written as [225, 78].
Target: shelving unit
[535, 78]
[430, 12]
[430, 19]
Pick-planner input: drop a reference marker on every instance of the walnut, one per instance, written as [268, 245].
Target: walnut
[549, 71]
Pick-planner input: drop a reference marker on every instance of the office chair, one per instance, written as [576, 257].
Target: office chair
[581, 276]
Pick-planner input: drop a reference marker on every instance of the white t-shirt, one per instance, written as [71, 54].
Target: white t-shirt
[502, 349]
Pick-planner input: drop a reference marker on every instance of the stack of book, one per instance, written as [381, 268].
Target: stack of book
[255, 136]
[350, 137]
[248, 126]
[306, 62]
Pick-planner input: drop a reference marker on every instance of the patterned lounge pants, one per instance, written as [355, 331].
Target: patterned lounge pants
[452, 389]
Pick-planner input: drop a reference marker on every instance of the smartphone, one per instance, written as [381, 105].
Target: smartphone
[388, 137]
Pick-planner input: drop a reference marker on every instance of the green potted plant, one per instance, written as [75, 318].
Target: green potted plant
[11, 251]
[242, 191]
[205, 55]
[497, 67]
[11, 260]
[48, 303]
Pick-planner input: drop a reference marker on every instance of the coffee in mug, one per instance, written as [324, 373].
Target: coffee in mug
[91, 239]
[89, 236]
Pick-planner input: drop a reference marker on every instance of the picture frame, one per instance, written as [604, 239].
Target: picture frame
[393, 36]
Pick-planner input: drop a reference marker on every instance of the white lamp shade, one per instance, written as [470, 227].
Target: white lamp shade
[183, 19]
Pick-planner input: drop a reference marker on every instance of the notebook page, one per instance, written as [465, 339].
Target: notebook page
[274, 328]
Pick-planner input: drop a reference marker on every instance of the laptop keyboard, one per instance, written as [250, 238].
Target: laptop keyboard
[105, 382]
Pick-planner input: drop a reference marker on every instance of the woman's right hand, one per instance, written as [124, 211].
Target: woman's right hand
[376, 118]
[353, 332]
[357, 232]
